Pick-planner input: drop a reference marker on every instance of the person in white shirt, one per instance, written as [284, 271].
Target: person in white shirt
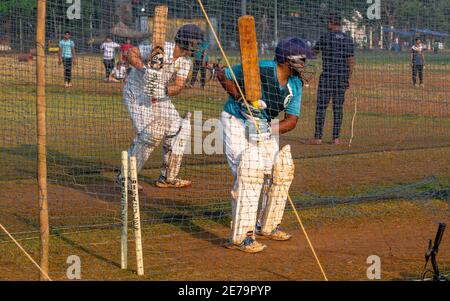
[153, 80]
[109, 50]
[119, 73]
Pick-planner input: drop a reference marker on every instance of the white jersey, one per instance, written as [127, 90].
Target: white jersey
[108, 50]
[180, 67]
[135, 80]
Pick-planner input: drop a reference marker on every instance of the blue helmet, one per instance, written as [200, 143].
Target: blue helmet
[292, 47]
[189, 36]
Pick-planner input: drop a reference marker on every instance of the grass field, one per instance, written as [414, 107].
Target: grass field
[381, 196]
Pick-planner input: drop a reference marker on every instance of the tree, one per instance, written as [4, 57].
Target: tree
[15, 12]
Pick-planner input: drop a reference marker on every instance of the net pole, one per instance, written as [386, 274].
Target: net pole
[41, 139]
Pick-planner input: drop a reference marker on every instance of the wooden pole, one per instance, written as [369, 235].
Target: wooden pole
[41, 138]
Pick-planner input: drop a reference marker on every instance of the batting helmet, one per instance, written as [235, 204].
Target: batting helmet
[291, 47]
[189, 36]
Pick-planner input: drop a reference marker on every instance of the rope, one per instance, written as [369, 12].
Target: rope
[307, 238]
[25, 252]
[251, 115]
[353, 123]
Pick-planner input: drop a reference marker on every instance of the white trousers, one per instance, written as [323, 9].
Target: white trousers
[153, 123]
[248, 176]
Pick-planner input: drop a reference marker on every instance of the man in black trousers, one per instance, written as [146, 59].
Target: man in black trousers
[338, 52]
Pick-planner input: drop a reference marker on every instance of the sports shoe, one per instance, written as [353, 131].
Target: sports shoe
[315, 142]
[66, 84]
[336, 141]
[422, 85]
[277, 234]
[248, 245]
[175, 183]
[416, 85]
[69, 84]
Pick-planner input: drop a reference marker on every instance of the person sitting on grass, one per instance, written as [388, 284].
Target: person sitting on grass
[119, 73]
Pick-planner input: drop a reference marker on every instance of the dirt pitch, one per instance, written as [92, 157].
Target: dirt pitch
[192, 249]
[401, 143]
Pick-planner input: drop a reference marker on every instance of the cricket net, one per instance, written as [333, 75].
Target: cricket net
[380, 192]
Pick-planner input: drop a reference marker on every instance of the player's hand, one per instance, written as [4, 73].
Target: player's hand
[250, 111]
[156, 61]
[218, 67]
[60, 62]
[74, 62]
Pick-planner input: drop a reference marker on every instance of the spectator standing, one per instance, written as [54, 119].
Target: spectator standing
[417, 62]
[67, 57]
[337, 50]
[109, 48]
[201, 59]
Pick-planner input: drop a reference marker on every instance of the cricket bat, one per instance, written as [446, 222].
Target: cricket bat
[249, 59]
[159, 26]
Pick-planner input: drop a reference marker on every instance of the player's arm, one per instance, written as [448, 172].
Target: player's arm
[134, 58]
[291, 113]
[74, 57]
[204, 58]
[176, 86]
[318, 46]
[351, 65]
[286, 125]
[350, 59]
[183, 66]
[228, 85]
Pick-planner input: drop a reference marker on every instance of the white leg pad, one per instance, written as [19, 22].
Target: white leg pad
[282, 176]
[173, 158]
[249, 182]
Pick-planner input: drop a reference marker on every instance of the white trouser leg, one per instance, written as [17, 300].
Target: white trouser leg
[247, 165]
[177, 132]
[150, 130]
[282, 176]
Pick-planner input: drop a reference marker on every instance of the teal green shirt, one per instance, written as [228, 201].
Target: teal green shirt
[66, 48]
[277, 98]
[198, 54]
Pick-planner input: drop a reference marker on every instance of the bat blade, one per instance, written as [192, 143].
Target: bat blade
[249, 59]
[159, 26]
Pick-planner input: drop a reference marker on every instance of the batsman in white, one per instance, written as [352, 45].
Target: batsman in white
[153, 79]
[252, 151]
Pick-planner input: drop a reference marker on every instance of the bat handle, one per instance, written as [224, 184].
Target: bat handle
[255, 103]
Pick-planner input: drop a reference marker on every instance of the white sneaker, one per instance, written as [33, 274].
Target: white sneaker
[277, 234]
[248, 245]
[175, 183]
